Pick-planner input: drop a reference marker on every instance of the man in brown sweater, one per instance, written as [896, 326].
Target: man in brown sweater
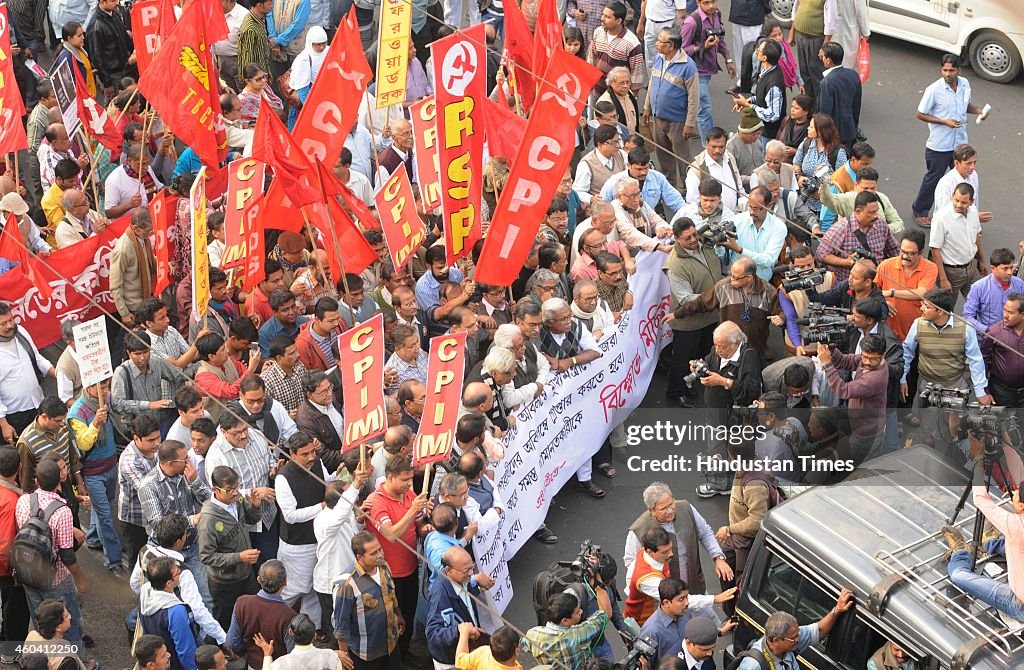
[865, 393]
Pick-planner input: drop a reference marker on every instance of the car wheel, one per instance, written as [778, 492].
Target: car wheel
[994, 57]
[781, 11]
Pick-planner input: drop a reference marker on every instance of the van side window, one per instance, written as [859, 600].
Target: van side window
[863, 641]
[784, 589]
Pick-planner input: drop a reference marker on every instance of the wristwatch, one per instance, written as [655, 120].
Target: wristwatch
[892, 293]
[728, 61]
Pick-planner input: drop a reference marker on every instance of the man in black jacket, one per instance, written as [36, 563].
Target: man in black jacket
[840, 93]
[110, 46]
[733, 378]
[861, 284]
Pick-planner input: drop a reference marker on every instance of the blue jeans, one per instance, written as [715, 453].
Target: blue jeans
[66, 593]
[987, 590]
[892, 431]
[496, 20]
[705, 121]
[103, 493]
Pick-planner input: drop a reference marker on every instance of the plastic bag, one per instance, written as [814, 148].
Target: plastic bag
[864, 60]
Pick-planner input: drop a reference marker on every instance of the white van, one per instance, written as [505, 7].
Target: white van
[990, 33]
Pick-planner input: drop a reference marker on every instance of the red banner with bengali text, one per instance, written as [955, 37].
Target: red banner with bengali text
[84, 271]
[542, 159]
[362, 367]
[245, 182]
[162, 210]
[460, 87]
[403, 227]
[444, 397]
[424, 133]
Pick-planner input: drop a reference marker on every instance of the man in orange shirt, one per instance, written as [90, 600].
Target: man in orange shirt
[904, 280]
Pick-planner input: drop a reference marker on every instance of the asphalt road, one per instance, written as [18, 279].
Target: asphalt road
[900, 72]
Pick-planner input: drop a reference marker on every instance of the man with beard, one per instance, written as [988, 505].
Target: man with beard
[612, 286]
[22, 368]
[438, 272]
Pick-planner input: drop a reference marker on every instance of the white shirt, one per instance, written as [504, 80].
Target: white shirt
[360, 185]
[721, 172]
[581, 183]
[19, 389]
[189, 593]
[360, 144]
[290, 511]
[66, 387]
[660, 11]
[70, 230]
[587, 341]
[334, 529]
[383, 174]
[456, 10]
[120, 188]
[955, 235]
[944, 189]
[216, 251]
[229, 46]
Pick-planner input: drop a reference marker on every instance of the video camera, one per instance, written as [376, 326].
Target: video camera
[821, 175]
[799, 279]
[700, 371]
[746, 411]
[712, 234]
[820, 315]
[983, 420]
[642, 646]
[825, 333]
[582, 568]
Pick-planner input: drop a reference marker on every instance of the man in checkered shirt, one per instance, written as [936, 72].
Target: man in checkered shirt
[65, 562]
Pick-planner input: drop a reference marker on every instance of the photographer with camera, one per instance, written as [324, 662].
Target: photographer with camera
[760, 235]
[868, 319]
[781, 432]
[866, 393]
[565, 641]
[692, 268]
[743, 299]
[859, 285]
[862, 235]
[946, 349]
[999, 349]
[794, 296]
[801, 221]
[1007, 598]
[703, 37]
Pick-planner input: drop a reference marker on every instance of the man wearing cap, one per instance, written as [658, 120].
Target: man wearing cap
[746, 147]
[12, 203]
[699, 640]
[291, 253]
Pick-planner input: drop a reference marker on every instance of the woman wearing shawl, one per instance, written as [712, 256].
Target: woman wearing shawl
[306, 67]
[73, 41]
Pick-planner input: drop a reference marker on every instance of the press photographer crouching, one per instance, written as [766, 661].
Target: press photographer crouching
[865, 393]
[565, 641]
[730, 375]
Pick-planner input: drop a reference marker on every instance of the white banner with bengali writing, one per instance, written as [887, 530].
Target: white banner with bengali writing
[558, 431]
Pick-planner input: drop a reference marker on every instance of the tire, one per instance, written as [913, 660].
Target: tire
[781, 11]
[994, 57]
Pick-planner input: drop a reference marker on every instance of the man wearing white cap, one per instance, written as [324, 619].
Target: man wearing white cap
[12, 203]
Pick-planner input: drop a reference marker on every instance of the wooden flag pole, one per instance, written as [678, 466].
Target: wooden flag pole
[146, 125]
[131, 99]
[86, 144]
[337, 250]
[17, 179]
[426, 479]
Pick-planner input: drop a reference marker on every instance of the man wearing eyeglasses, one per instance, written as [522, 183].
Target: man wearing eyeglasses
[398, 154]
[133, 266]
[904, 279]
[654, 187]
[597, 166]
[636, 223]
[760, 235]
[174, 487]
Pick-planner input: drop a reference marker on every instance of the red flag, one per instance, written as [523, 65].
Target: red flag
[161, 210]
[13, 249]
[332, 186]
[245, 182]
[547, 34]
[361, 364]
[519, 45]
[274, 145]
[97, 123]
[460, 73]
[340, 231]
[181, 83]
[252, 222]
[539, 165]
[445, 370]
[403, 228]
[12, 107]
[503, 129]
[424, 131]
[146, 34]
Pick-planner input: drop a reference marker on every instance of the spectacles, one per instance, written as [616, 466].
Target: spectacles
[179, 461]
[738, 279]
[909, 253]
[261, 77]
[632, 195]
[564, 319]
[233, 489]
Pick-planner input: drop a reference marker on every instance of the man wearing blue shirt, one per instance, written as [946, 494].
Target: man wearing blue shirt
[654, 188]
[944, 107]
[286, 320]
[784, 638]
[439, 272]
[760, 235]
[668, 623]
[984, 305]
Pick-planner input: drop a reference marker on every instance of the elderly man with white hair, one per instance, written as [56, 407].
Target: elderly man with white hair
[79, 221]
[636, 223]
[774, 160]
[532, 371]
[602, 218]
[590, 310]
[566, 344]
[622, 98]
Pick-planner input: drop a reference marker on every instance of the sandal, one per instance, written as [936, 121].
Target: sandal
[607, 470]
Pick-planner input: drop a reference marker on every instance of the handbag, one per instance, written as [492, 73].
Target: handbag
[864, 60]
[288, 94]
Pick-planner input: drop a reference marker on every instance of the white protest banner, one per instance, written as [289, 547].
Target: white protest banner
[93, 350]
[549, 443]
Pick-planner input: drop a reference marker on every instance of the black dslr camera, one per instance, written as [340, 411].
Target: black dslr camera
[800, 279]
[699, 372]
[716, 233]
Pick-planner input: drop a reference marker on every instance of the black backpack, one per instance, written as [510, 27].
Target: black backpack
[755, 654]
[555, 579]
[32, 560]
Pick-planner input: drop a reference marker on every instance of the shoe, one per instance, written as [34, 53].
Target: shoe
[95, 547]
[990, 533]
[607, 470]
[708, 491]
[954, 539]
[545, 535]
[118, 572]
[1009, 621]
[88, 642]
[592, 490]
[923, 221]
[688, 402]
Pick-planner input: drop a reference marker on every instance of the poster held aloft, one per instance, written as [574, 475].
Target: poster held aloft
[93, 351]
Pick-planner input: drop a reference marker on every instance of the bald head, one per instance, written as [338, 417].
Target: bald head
[458, 565]
[7, 185]
[57, 135]
[477, 396]
[72, 199]
[401, 131]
